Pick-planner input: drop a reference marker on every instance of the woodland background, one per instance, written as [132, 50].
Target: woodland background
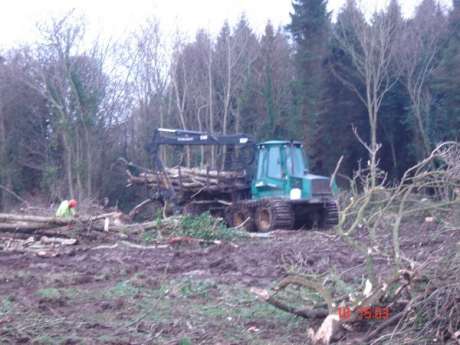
[70, 106]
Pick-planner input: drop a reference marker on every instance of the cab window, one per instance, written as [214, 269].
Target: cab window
[295, 163]
[260, 163]
[274, 162]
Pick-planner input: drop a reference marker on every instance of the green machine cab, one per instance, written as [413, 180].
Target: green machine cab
[282, 172]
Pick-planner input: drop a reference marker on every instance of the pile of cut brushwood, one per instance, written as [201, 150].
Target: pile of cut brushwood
[47, 236]
[407, 238]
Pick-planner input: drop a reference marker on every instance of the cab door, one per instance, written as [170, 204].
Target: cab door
[270, 179]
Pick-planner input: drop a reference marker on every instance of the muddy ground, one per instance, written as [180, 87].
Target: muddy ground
[113, 293]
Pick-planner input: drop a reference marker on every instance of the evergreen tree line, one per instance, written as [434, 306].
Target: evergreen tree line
[69, 108]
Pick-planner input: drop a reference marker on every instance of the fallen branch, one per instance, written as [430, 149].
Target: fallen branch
[385, 324]
[138, 208]
[130, 245]
[45, 247]
[309, 284]
[24, 223]
[9, 217]
[25, 227]
[336, 170]
[308, 313]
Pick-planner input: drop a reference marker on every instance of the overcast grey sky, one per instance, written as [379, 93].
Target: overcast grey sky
[116, 17]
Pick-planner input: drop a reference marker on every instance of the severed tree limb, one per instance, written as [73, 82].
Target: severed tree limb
[308, 313]
[392, 320]
[19, 223]
[332, 324]
[42, 221]
[336, 170]
[138, 208]
[130, 245]
[24, 227]
[303, 312]
[10, 217]
[309, 284]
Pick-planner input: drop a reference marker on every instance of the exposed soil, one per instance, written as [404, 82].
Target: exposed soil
[183, 294]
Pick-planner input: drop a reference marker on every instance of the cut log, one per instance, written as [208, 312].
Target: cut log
[26, 224]
[45, 247]
[19, 223]
[9, 217]
[25, 227]
[26, 219]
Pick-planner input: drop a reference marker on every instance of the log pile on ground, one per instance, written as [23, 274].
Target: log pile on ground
[20, 223]
[17, 229]
[43, 247]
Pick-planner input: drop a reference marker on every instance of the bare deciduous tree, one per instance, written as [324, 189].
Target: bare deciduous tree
[72, 80]
[151, 67]
[371, 48]
[419, 47]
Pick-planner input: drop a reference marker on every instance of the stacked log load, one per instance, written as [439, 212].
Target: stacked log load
[193, 180]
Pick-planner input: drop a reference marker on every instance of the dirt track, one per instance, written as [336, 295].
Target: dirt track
[185, 294]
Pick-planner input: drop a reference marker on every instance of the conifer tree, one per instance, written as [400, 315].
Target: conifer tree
[310, 28]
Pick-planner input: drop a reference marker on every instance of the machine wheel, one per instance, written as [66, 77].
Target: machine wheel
[193, 209]
[330, 216]
[149, 212]
[273, 215]
[236, 216]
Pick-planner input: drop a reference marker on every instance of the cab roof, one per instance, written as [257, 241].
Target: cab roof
[279, 142]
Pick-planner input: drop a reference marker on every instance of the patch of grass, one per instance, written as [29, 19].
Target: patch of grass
[6, 305]
[196, 288]
[72, 340]
[44, 340]
[226, 310]
[149, 237]
[207, 228]
[59, 278]
[123, 289]
[107, 339]
[185, 341]
[54, 294]
[260, 310]
[248, 308]
[49, 293]
[214, 311]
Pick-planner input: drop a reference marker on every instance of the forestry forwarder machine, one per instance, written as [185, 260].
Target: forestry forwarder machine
[282, 194]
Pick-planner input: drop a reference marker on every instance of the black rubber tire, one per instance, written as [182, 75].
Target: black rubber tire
[193, 209]
[273, 215]
[330, 216]
[238, 215]
[149, 212]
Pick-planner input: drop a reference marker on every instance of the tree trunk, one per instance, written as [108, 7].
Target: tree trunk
[5, 177]
[68, 164]
[227, 99]
[211, 109]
